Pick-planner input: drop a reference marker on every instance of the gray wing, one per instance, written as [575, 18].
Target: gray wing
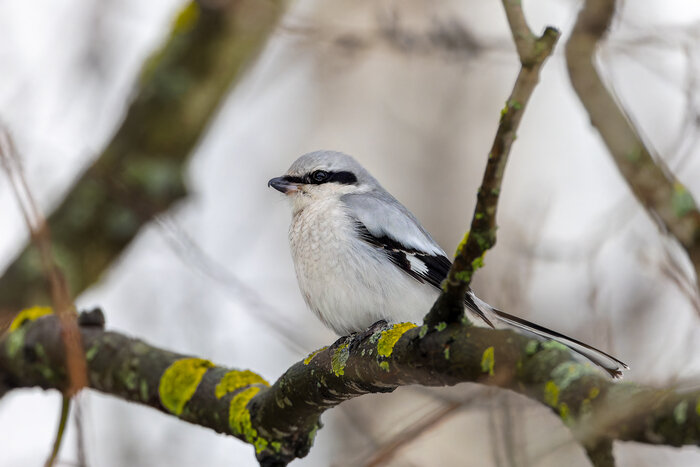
[383, 222]
[384, 216]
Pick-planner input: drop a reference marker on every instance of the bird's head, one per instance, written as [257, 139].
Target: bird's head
[322, 176]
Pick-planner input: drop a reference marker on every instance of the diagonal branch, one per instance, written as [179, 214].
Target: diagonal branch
[140, 172]
[280, 421]
[533, 51]
[664, 197]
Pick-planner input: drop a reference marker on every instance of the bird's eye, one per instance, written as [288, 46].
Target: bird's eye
[319, 176]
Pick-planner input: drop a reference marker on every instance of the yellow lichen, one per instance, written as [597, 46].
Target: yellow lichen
[239, 415]
[234, 380]
[29, 314]
[551, 393]
[187, 18]
[461, 244]
[488, 361]
[389, 338]
[179, 382]
[564, 412]
[311, 356]
[593, 393]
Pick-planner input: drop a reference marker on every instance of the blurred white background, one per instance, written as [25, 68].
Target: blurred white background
[413, 89]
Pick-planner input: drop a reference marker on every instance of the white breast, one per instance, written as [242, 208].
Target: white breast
[346, 282]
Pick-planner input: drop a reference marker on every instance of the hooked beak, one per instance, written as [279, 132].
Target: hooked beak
[284, 184]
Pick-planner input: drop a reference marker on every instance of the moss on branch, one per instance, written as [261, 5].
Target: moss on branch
[281, 420]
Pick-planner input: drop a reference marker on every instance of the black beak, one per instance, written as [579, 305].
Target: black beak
[283, 184]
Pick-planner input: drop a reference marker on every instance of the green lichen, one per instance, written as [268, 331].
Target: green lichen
[554, 345]
[179, 382]
[91, 353]
[478, 262]
[697, 407]
[441, 326]
[551, 393]
[311, 356]
[634, 155]
[568, 372]
[513, 104]
[143, 390]
[384, 365]
[390, 337]
[681, 200]
[276, 446]
[488, 361]
[446, 352]
[29, 314]
[423, 331]
[339, 359]
[464, 276]
[312, 434]
[15, 341]
[531, 347]
[234, 380]
[680, 412]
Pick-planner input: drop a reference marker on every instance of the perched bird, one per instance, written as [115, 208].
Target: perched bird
[361, 256]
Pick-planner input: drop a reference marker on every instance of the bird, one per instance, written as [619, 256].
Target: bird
[362, 257]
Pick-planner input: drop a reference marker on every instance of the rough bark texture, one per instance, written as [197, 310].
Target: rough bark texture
[280, 421]
[139, 174]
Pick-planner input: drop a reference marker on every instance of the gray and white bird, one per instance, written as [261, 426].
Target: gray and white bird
[361, 256]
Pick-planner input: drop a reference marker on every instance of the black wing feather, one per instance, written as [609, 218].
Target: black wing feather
[436, 266]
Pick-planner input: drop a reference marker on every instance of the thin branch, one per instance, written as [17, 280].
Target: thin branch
[60, 296]
[533, 51]
[281, 420]
[670, 205]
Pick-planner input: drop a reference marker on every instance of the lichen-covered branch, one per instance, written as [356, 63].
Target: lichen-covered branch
[280, 421]
[533, 51]
[667, 201]
[139, 174]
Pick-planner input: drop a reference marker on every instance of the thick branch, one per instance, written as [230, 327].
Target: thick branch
[139, 174]
[533, 51]
[666, 200]
[281, 420]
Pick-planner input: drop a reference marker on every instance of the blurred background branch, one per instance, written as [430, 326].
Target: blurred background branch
[140, 172]
[669, 203]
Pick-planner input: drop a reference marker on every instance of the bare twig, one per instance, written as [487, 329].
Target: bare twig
[533, 51]
[666, 200]
[60, 297]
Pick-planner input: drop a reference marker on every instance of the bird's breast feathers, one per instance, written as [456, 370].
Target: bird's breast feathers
[350, 282]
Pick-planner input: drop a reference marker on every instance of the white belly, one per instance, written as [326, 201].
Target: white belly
[344, 282]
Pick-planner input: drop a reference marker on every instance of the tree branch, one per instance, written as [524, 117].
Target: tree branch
[667, 201]
[139, 174]
[281, 420]
[533, 51]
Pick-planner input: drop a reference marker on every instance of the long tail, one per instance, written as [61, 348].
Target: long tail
[607, 362]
